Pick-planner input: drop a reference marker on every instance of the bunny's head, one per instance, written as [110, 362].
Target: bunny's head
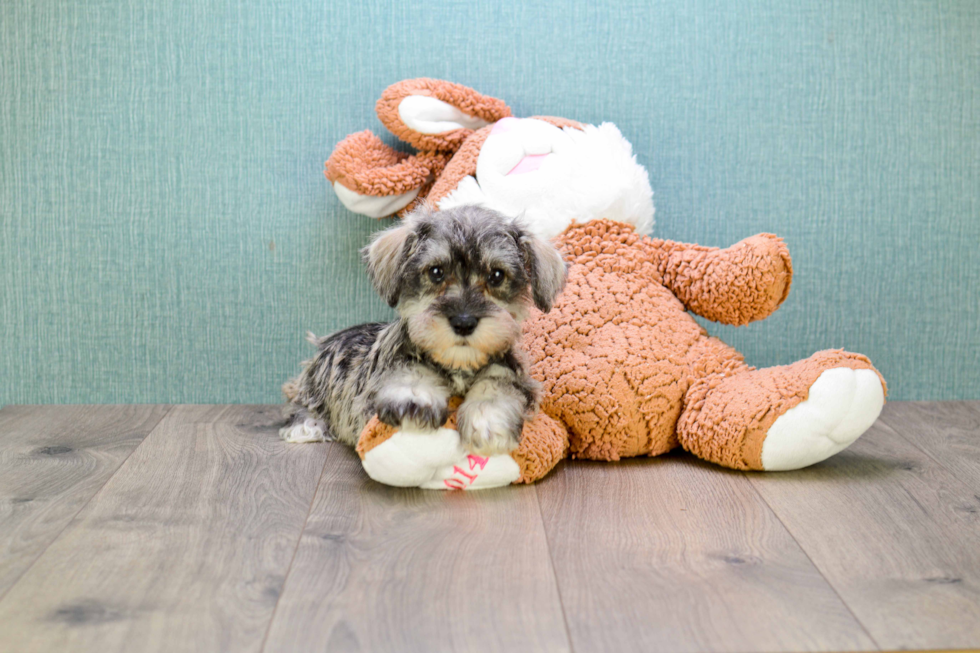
[551, 171]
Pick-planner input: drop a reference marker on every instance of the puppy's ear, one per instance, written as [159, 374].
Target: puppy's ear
[384, 257]
[545, 266]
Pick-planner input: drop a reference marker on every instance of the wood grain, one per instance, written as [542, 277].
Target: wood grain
[194, 543]
[672, 554]
[948, 432]
[52, 460]
[185, 548]
[387, 569]
[895, 533]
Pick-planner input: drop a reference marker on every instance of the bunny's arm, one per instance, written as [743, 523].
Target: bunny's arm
[435, 460]
[736, 285]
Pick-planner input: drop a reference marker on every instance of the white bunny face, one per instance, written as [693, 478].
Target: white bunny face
[556, 177]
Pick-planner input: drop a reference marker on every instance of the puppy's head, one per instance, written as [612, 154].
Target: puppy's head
[463, 280]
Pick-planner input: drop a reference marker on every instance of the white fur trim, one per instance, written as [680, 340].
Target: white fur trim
[590, 174]
[371, 206]
[428, 115]
[842, 405]
[434, 460]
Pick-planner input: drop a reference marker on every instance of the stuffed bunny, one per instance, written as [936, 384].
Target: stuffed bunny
[624, 368]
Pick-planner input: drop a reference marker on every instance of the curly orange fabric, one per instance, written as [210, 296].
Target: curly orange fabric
[462, 97]
[544, 443]
[463, 164]
[726, 418]
[365, 165]
[618, 353]
[375, 432]
[438, 165]
[741, 284]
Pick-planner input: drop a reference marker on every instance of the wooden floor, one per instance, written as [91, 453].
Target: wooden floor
[193, 528]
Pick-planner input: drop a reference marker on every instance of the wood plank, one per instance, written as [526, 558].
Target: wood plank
[53, 459]
[673, 554]
[185, 548]
[895, 533]
[388, 569]
[948, 432]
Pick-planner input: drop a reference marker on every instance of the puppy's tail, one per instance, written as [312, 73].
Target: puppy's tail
[290, 389]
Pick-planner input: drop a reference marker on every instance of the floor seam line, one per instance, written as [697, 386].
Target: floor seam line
[299, 540]
[554, 571]
[16, 582]
[812, 563]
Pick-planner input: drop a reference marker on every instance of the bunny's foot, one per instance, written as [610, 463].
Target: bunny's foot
[842, 404]
[783, 418]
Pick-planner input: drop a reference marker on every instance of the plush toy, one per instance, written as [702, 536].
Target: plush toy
[624, 368]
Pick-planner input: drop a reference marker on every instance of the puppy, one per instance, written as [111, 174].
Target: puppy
[462, 281]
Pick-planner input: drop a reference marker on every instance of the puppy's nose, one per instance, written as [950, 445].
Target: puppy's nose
[463, 324]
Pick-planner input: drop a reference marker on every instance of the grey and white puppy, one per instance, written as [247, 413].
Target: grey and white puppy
[462, 281]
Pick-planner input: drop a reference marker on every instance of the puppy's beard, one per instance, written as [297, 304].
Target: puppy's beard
[494, 334]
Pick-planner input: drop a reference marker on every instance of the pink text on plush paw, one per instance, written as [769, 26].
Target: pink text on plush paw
[454, 482]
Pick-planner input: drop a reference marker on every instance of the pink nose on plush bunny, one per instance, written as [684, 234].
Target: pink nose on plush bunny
[504, 125]
[529, 163]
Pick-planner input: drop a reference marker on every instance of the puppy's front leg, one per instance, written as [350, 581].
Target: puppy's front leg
[491, 417]
[415, 398]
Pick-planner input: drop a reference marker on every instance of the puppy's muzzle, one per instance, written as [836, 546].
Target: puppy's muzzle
[463, 324]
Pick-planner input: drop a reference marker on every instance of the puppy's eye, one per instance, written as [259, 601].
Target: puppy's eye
[437, 274]
[496, 278]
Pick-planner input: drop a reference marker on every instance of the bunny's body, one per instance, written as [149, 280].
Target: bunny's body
[625, 369]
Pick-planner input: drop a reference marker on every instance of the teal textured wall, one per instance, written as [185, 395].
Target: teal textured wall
[166, 234]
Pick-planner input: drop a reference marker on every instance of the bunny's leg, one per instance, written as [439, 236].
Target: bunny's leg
[782, 418]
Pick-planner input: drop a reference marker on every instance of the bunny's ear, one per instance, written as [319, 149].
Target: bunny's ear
[372, 179]
[435, 115]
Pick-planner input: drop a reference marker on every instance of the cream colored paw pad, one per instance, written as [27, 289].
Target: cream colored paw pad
[842, 404]
[434, 460]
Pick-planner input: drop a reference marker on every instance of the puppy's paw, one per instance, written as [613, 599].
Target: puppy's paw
[417, 413]
[487, 428]
[309, 430]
